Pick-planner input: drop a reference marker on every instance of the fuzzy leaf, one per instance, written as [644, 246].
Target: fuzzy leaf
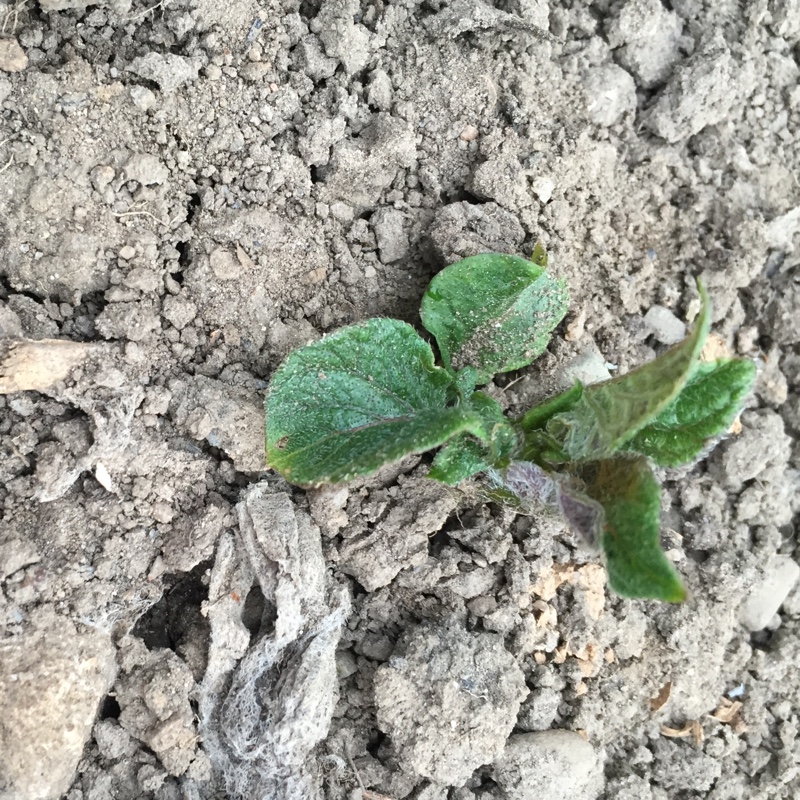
[609, 414]
[360, 398]
[461, 458]
[493, 312]
[464, 456]
[539, 415]
[631, 500]
[554, 491]
[705, 408]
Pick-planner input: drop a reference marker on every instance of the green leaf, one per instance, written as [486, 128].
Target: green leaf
[705, 408]
[631, 500]
[360, 398]
[493, 312]
[611, 413]
[497, 431]
[539, 415]
[464, 456]
[461, 458]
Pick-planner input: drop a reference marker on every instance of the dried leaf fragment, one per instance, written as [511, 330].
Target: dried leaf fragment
[729, 713]
[660, 700]
[693, 729]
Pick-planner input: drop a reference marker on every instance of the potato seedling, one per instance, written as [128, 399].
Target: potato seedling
[369, 394]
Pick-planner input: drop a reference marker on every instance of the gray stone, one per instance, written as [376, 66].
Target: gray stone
[665, 326]
[154, 698]
[448, 698]
[610, 93]
[588, 367]
[645, 37]
[10, 324]
[12, 57]
[539, 710]
[464, 229]
[169, 71]
[558, 765]
[783, 321]
[342, 37]
[52, 680]
[228, 417]
[700, 93]
[145, 168]
[766, 597]
[180, 311]
[390, 235]
[362, 168]
[761, 442]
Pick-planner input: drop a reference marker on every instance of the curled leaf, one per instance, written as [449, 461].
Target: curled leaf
[705, 408]
[609, 414]
[465, 456]
[536, 487]
[631, 500]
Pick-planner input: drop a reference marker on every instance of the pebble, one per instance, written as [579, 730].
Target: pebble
[12, 56]
[557, 764]
[767, 596]
[52, 680]
[665, 326]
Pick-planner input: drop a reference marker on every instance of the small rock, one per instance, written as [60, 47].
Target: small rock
[448, 698]
[5, 89]
[143, 98]
[224, 264]
[389, 234]
[665, 326]
[540, 709]
[700, 93]
[310, 58]
[762, 442]
[321, 135]
[154, 699]
[466, 229]
[558, 765]
[228, 417]
[360, 169]
[782, 319]
[501, 178]
[588, 367]
[146, 169]
[16, 553]
[342, 37]
[380, 90]
[650, 35]
[10, 324]
[543, 188]
[52, 680]
[132, 321]
[12, 56]
[610, 93]
[112, 741]
[179, 311]
[767, 597]
[169, 71]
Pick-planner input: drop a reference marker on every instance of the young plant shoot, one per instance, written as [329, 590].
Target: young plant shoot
[369, 394]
